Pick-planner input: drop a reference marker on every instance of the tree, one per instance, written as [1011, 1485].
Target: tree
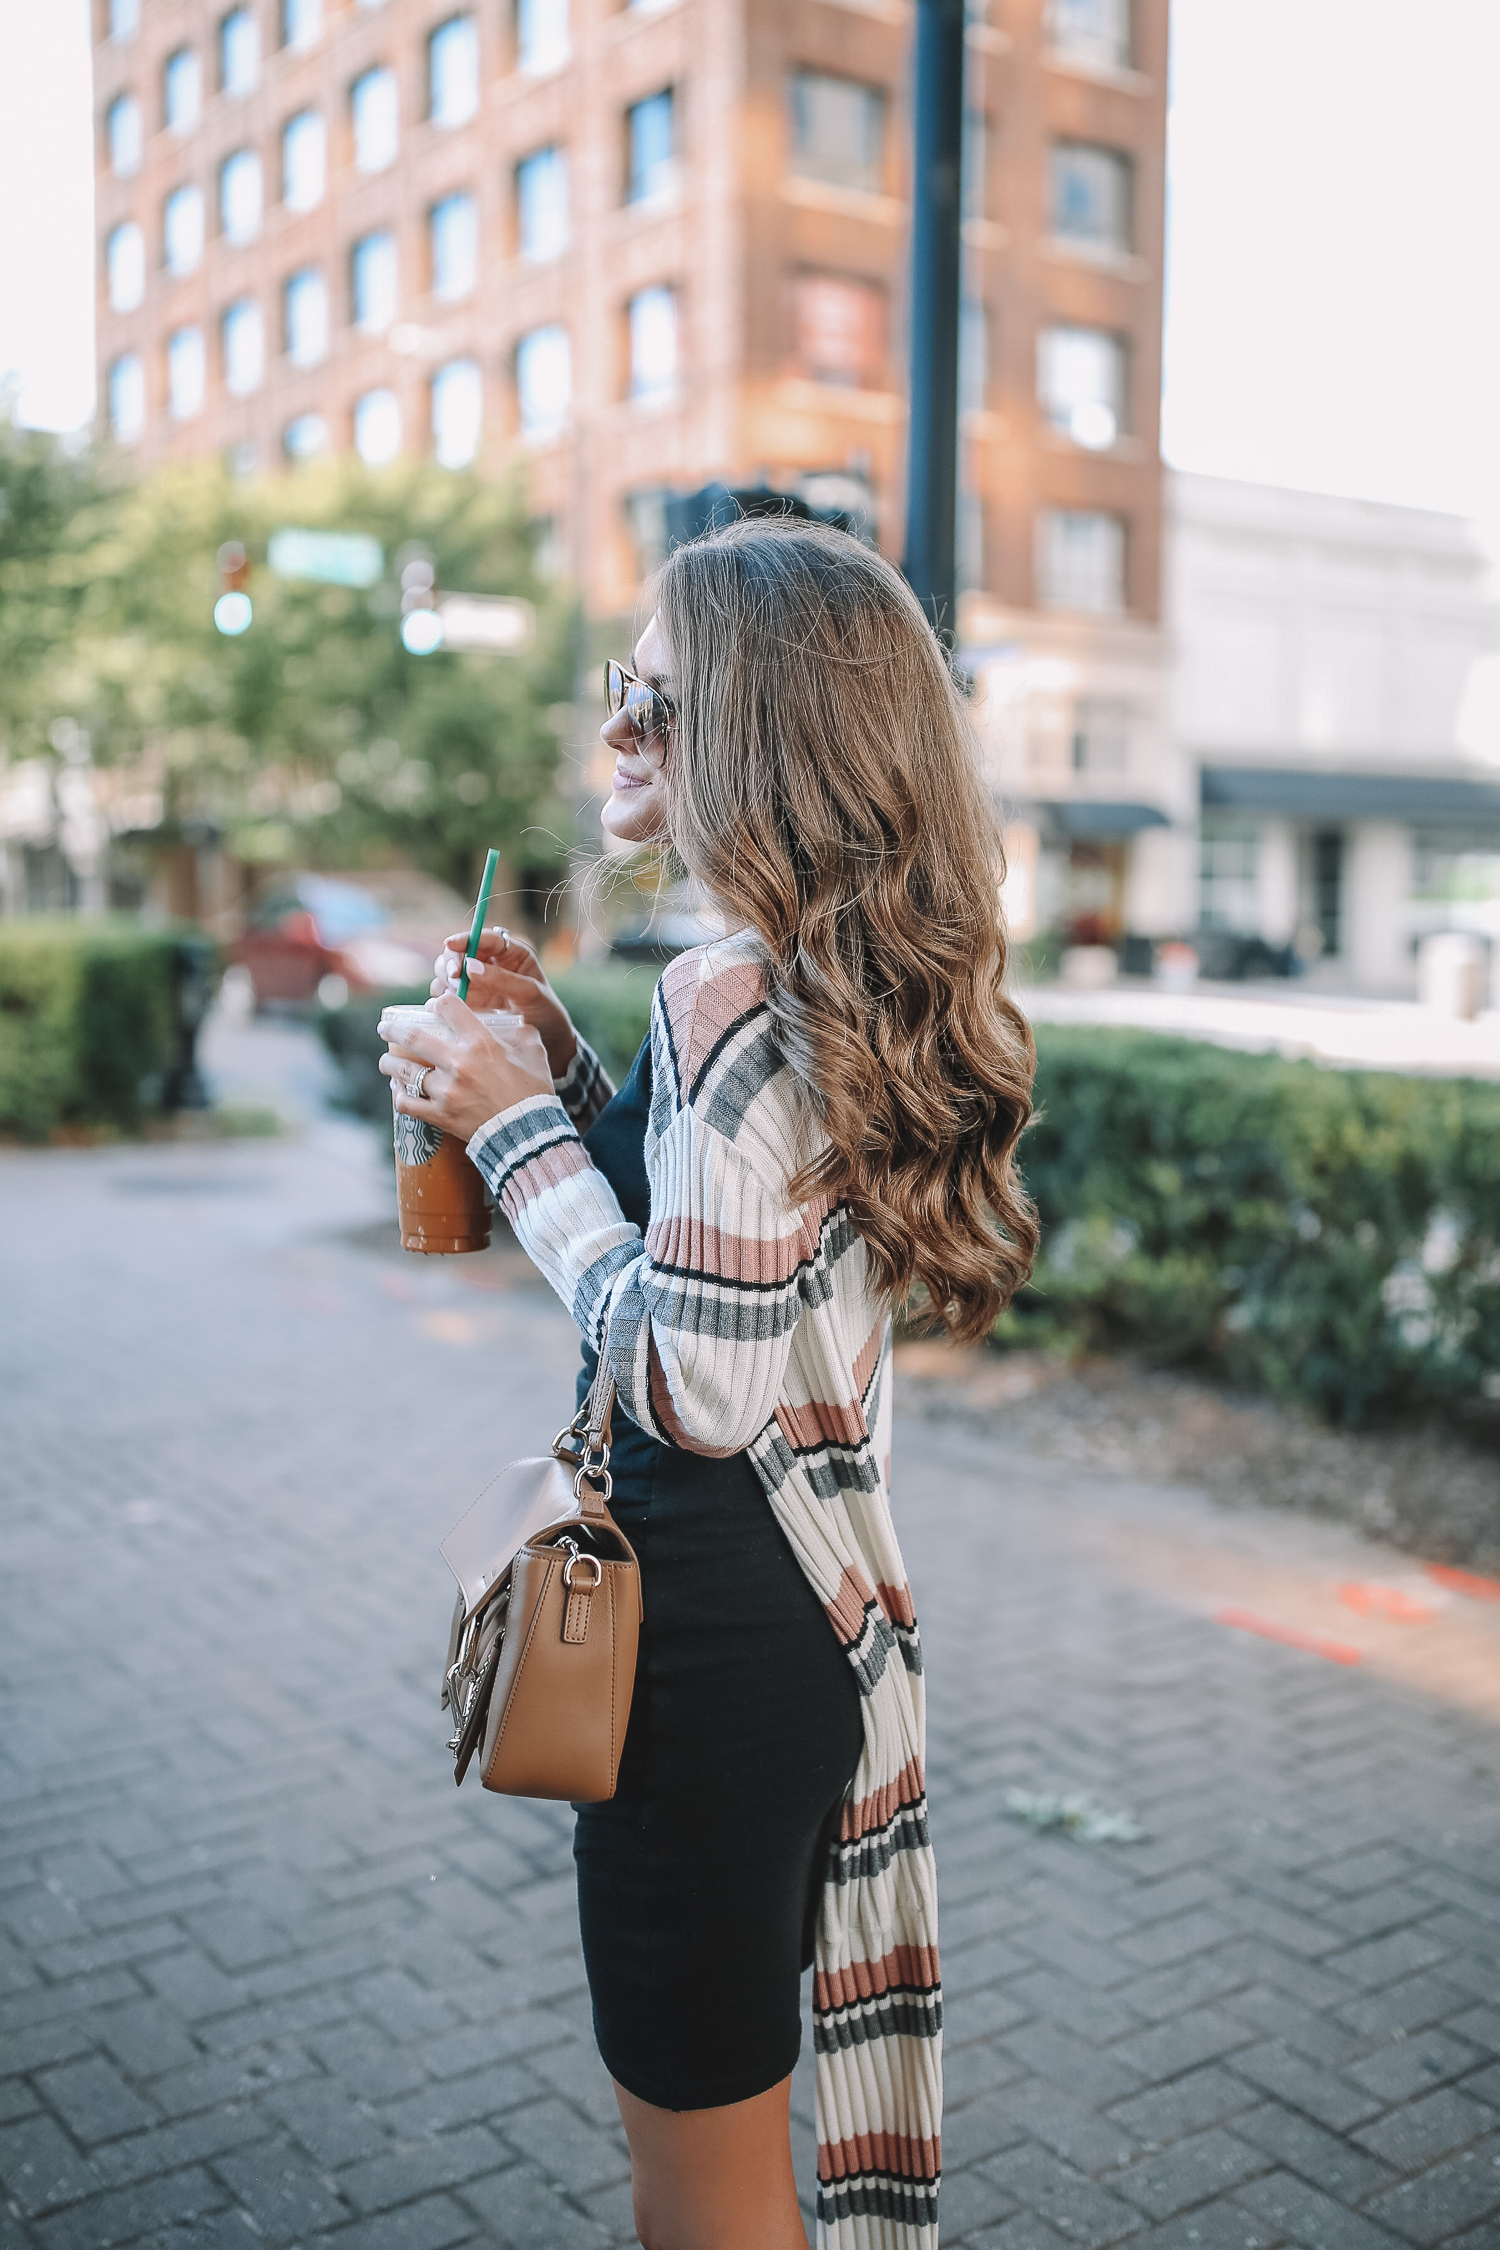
[44, 489]
[316, 736]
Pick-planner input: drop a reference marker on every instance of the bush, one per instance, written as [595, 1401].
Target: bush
[610, 1004]
[88, 1022]
[1333, 1236]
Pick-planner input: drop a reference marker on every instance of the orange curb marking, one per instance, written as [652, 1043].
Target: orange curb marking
[1385, 1601]
[1465, 1582]
[1316, 1644]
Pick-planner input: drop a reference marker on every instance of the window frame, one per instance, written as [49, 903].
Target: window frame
[1123, 162]
[186, 191]
[250, 160]
[297, 123]
[462, 20]
[645, 197]
[124, 102]
[185, 57]
[804, 76]
[246, 20]
[384, 72]
[362, 249]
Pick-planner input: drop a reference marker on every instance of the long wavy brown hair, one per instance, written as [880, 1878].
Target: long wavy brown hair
[824, 788]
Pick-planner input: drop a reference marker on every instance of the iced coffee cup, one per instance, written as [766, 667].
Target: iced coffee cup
[442, 1202]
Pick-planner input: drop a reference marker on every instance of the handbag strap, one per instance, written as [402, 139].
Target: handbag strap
[592, 1428]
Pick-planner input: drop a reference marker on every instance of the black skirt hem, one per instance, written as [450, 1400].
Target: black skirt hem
[716, 2094]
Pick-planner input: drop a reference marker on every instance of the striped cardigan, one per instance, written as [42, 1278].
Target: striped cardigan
[746, 1322]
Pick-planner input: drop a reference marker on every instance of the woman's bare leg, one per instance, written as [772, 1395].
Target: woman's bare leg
[714, 2179]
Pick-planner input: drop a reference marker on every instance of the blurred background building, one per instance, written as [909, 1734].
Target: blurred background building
[625, 250]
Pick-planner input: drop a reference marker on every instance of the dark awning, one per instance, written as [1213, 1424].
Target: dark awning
[1424, 800]
[1085, 820]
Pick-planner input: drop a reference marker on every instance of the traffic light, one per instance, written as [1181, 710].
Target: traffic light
[232, 610]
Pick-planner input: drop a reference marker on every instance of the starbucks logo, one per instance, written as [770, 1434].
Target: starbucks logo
[416, 1140]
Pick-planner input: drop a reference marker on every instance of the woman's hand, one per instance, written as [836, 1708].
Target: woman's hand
[507, 974]
[466, 1072]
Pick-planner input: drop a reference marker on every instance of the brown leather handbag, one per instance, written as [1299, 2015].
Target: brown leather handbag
[541, 1654]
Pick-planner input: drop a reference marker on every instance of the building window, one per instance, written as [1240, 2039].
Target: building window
[542, 205]
[244, 348]
[453, 231]
[457, 413]
[1081, 384]
[651, 171]
[542, 43]
[124, 18]
[544, 382]
[1081, 560]
[377, 427]
[376, 120]
[374, 293]
[1226, 877]
[305, 310]
[187, 372]
[840, 328]
[652, 319]
[1093, 31]
[301, 22]
[453, 72]
[305, 437]
[304, 161]
[838, 131]
[122, 127]
[240, 196]
[1325, 888]
[1101, 736]
[239, 53]
[182, 91]
[127, 398]
[125, 264]
[182, 230]
[1091, 196]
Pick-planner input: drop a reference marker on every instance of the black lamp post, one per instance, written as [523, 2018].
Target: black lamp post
[930, 561]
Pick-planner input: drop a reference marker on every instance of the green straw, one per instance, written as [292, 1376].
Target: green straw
[492, 861]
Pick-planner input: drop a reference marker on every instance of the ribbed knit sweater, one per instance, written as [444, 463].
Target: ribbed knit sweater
[743, 1321]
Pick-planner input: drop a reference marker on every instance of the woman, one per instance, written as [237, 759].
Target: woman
[822, 1119]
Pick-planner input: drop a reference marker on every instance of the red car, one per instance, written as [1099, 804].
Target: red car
[325, 936]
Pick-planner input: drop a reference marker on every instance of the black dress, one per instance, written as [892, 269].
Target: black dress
[698, 1882]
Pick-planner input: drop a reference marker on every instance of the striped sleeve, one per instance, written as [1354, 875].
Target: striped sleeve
[584, 1087]
[702, 1310]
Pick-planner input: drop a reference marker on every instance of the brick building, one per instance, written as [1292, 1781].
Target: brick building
[638, 246]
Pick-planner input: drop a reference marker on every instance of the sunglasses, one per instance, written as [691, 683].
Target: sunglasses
[647, 709]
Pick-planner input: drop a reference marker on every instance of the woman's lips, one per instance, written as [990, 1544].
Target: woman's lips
[624, 779]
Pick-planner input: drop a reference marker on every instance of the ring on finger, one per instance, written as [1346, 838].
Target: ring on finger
[417, 1083]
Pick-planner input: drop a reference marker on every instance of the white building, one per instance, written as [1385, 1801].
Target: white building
[1322, 652]
[1282, 763]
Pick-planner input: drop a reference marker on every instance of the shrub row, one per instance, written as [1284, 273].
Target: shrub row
[88, 1021]
[1333, 1236]
[1330, 1235]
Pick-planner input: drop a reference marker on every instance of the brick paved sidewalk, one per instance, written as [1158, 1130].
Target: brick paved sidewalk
[265, 1976]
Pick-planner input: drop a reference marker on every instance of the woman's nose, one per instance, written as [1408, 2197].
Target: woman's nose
[618, 732]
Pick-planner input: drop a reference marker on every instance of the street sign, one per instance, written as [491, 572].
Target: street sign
[332, 558]
[498, 623]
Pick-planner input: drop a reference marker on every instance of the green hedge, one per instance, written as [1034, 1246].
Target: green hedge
[1330, 1235]
[88, 1011]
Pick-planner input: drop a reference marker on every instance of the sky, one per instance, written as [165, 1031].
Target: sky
[1334, 182]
